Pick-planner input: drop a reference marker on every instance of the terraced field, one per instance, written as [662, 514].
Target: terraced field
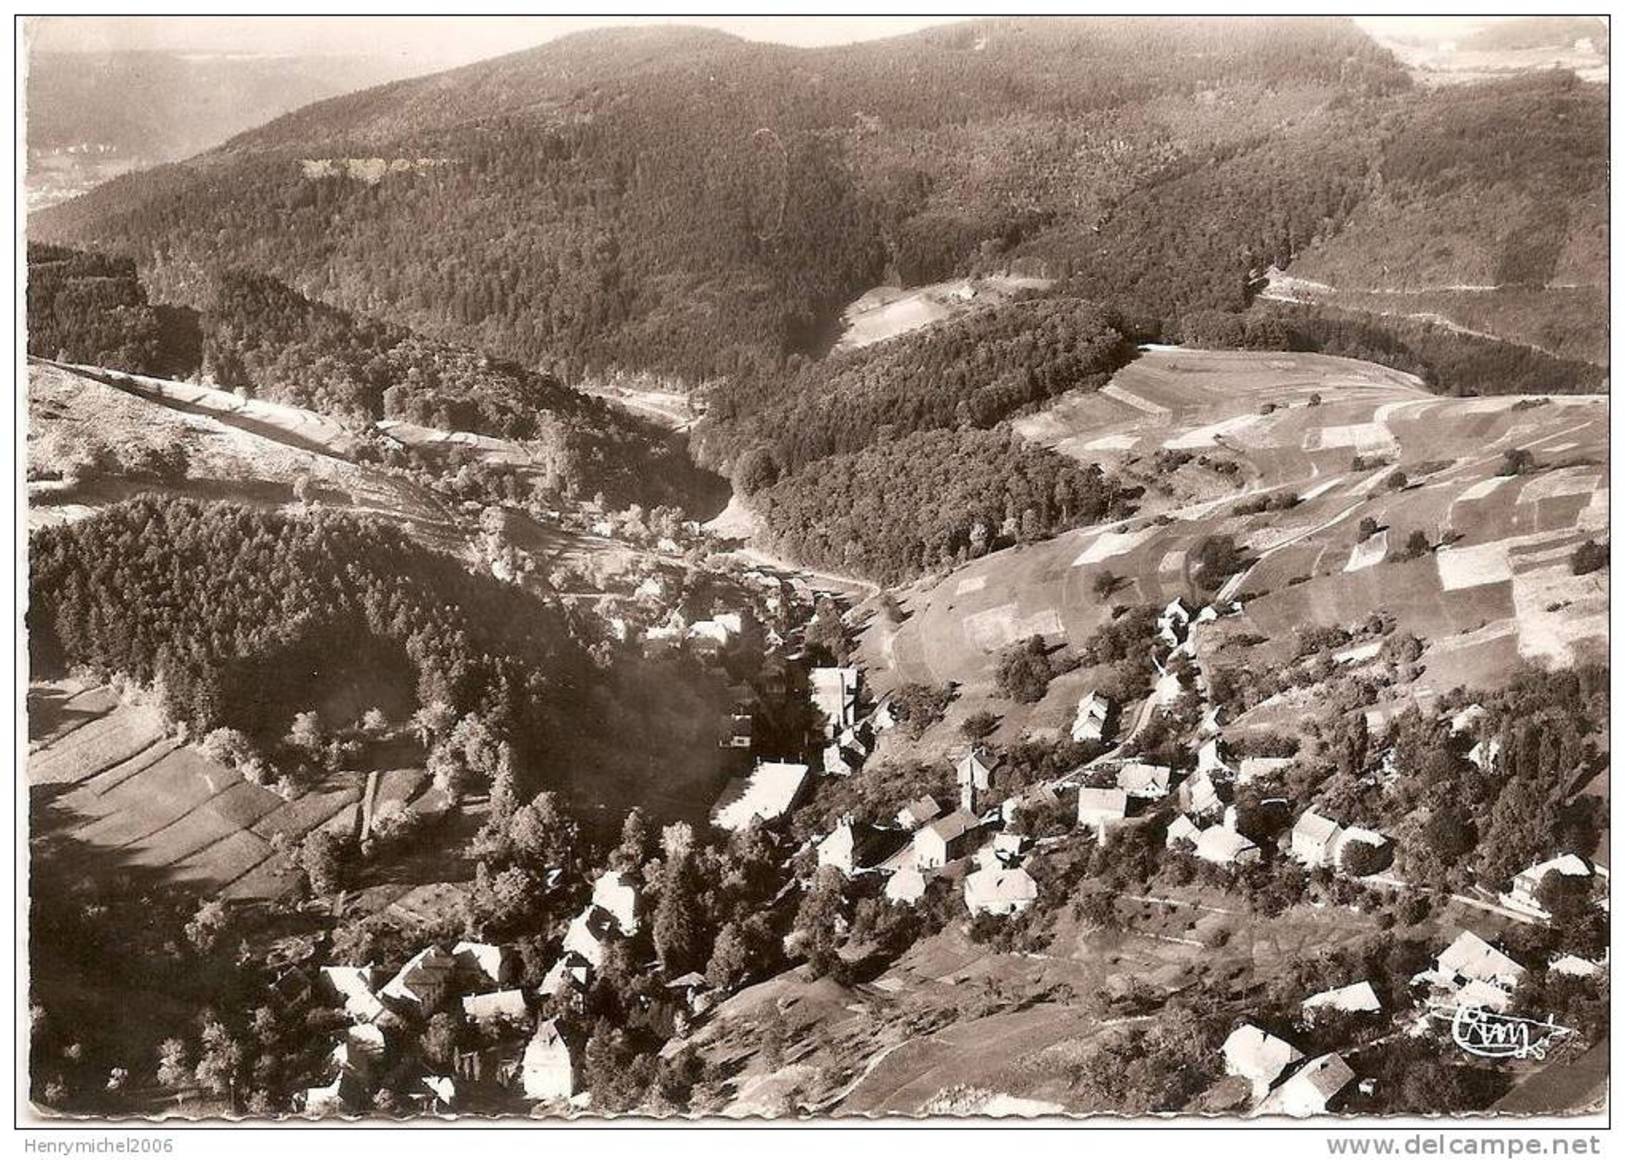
[1502, 590]
[104, 775]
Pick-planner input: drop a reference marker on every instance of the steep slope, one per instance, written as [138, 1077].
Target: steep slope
[686, 202]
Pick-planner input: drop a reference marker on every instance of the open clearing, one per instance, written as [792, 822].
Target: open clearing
[889, 311]
[1507, 567]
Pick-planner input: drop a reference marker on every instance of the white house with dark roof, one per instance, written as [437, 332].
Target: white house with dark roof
[1314, 839]
[854, 847]
[918, 812]
[946, 839]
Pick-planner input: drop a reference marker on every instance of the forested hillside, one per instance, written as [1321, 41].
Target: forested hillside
[241, 618]
[92, 308]
[685, 202]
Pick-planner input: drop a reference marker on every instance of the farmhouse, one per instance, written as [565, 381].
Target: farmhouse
[1210, 758]
[1100, 808]
[918, 812]
[1225, 847]
[1463, 721]
[1167, 690]
[422, 984]
[835, 695]
[1311, 1089]
[1359, 996]
[907, 885]
[772, 789]
[1090, 723]
[945, 839]
[1524, 895]
[1141, 780]
[548, 1071]
[1200, 797]
[999, 890]
[615, 893]
[1315, 839]
[1258, 1057]
[1173, 623]
[1486, 755]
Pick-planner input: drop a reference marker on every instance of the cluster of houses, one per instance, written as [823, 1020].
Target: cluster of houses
[527, 1058]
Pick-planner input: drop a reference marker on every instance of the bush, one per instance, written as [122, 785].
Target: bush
[979, 724]
[1589, 557]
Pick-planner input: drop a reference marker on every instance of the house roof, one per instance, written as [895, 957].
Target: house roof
[919, 811]
[1315, 828]
[768, 793]
[1252, 767]
[571, 970]
[995, 885]
[1095, 803]
[1359, 996]
[1139, 777]
[1204, 795]
[1182, 827]
[955, 825]
[1312, 1086]
[424, 973]
[1568, 865]
[1467, 718]
[692, 979]
[1217, 844]
[975, 769]
[1473, 958]
[1261, 1057]
[487, 958]
[496, 1005]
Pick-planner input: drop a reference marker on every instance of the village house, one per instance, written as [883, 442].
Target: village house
[1200, 798]
[1213, 719]
[770, 791]
[737, 732]
[356, 988]
[1474, 973]
[835, 695]
[572, 972]
[1167, 690]
[1146, 782]
[1524, 894]
[856, 847]
[548, 1069]
[1258, 1057]
[346, 1094]
[918, 812]
[1225, 847]
[1181, 829]
[1256, 767]
[496, 1008]
[1315, 839]
[617, 894]
[884, 717]
[1173, 622]
[999, 890]
[1311, 1089]
[482, 965]
[840, 762]
[1486, 755]
[946, 839]
[589, 932]
[1210, 758]
[1100, 808]
[907, 885]
[1356, 997]
[423, 984]
[1090, 723]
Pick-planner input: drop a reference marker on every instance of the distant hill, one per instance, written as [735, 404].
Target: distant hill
[686, 202]
[93, 115]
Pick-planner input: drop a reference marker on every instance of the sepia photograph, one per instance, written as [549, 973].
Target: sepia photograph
[812, 570]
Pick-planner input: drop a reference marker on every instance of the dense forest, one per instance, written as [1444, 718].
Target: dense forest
[931, 499]
[92, 308]
[972, 372]
[237, 617]
[1447, 360]
[556, 207]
